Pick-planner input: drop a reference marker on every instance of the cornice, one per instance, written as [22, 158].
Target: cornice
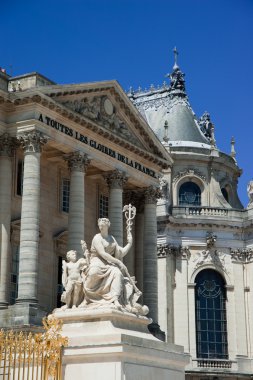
[203, 223]
[39, 98]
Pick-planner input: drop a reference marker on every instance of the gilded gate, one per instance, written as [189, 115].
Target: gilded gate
[32, 356]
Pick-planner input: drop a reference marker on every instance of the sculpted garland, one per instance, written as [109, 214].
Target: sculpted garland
[100, 279]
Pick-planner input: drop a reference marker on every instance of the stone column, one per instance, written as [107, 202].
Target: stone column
[116, 181]
[150, 287]
[7, 145]
[32, 143]
[78, 164]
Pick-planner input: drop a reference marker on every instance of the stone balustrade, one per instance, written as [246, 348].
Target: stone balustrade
[208, 212]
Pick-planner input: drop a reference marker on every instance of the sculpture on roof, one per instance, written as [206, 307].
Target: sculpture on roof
[206, 124]
[250, 194]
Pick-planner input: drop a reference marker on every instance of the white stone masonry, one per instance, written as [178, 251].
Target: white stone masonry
[78, 164]
[7, 145]
[116, 181]
[32, 143]
[150, 292]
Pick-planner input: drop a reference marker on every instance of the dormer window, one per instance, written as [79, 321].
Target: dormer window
[189, 194]
[225, 193]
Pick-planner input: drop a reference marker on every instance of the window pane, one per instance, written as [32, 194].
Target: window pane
[65, 190]
[103, 206]
[189, 194]
[211, 324]
[14, 274]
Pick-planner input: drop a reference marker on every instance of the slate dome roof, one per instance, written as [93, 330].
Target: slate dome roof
[170, 105]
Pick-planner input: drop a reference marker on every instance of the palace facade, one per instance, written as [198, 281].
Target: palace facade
[70, 154]
[205, 239]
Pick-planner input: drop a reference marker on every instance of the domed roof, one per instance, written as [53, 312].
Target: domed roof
[169, 114]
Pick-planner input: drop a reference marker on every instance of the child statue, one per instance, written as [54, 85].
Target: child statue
[72, 280]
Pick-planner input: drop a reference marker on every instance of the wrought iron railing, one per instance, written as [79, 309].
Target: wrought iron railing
[30, 356]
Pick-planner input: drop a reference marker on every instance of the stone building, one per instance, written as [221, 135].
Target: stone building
[73, 153]
[69, 153]
[205, 246]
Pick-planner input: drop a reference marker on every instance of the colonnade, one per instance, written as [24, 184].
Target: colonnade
[145, 248]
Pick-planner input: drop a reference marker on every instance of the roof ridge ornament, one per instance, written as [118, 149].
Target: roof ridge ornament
[177, 82]
[175, 58]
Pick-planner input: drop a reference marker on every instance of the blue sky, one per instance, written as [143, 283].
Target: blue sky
[73, 41]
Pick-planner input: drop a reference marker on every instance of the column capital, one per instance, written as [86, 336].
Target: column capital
[152, 194]
[77, 161]
[33, 141]
[7, 145]
[115, 179]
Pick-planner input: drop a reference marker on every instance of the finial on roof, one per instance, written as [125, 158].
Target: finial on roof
[166, 126]
[233, 152]
[175, 58]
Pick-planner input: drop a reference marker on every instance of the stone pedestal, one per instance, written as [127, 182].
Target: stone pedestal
[112, 345]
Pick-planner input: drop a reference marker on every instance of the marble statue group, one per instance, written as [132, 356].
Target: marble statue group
[100, 279]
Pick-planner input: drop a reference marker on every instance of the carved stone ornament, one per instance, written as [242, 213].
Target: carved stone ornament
[7, 145]
[210, 239]
[189, 172]
[32, 142]
[250, 193]
[116, 179]
[164, 250]
[242, 255]
[152, 194]
[101, 110]
[163, 188]
[77, 161]
[210, 256]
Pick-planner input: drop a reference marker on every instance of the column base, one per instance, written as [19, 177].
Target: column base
[22, 315]
[155, 330]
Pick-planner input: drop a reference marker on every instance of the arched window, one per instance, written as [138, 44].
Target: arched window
[189, 194]
[211, 321]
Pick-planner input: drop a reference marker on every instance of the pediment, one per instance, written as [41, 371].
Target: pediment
[105, 112]
[102, 107]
